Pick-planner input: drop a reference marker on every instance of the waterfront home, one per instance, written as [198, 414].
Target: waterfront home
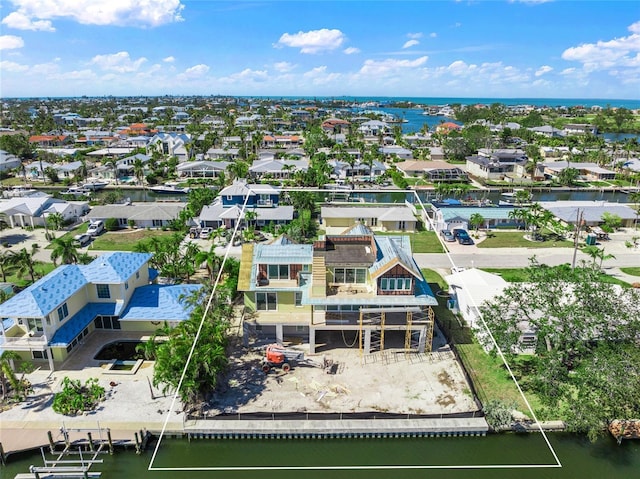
[496, 164]
[587, 171]
[590, 211]
[230, 154]
[277, 168]
[547, 131]
[366, 287]
[32, 211]
[579, 129]
[142, 215]
[125, 166]
[47, 321]
[433, 171]
[201, 169]
[261, 199]
[392, 152]
[452, 217]
[337, 219]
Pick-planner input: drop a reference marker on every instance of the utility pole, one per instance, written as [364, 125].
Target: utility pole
[576, 236]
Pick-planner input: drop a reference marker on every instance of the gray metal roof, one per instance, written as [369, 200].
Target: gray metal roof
[140, 212]
[396, 213]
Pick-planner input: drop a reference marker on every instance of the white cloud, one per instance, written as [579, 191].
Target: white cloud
[542, 70]
[603, 55]
[14, 67]
[196, 71]
[10, 42]
[414, 35]
[433, 35]
[533, 2]
[283, 67]
[320, 76]
[169, 59]
[410, 43]
[138, 13]
[372, 67]
[314, 41]
[20, 21]
[351, 51]
[118, 62]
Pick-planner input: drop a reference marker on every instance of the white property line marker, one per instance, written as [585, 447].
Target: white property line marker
[353, 467]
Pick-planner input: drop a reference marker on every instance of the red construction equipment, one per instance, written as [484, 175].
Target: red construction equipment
[277, 355]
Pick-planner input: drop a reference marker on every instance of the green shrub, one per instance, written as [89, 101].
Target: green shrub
[76, 398]
[111, 224]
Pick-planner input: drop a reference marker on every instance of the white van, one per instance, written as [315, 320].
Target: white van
[95, 228]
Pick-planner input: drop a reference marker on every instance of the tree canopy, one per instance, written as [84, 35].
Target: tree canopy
[587, 330]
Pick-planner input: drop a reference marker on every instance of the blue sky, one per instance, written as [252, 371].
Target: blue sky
[505, 49]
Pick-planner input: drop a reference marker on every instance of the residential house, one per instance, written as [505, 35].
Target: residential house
[125, 166]
[364, 286]
[278, 169]
[43, 141]
[50, 319]
[452, 217]
[547, 131]
[281, 141]
[587, 171]
[343, 170]
[433, 171]
[230, 154]
[171, 144]
[497, 164]
[569, 212]
[374, 128]
[579, 129]
[395, 151]
[337, 219]
[9, 161]
[32, 211]
[447, 127]
[143, 215]
[227, 209]
[201, 169]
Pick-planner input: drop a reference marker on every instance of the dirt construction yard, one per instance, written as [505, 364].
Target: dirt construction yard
[387, 382]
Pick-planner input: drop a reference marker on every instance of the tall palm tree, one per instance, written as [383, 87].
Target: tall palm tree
[112, 162]
[25, 262]
[7, 264]
[65, 250]
[212, 261]
[7, 375]
[55, 221]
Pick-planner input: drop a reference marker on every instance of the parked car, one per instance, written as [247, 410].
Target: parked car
[447, 235]
[465, 239]
[82, 239]
[457, 232]
[95, 228]
[205, 233]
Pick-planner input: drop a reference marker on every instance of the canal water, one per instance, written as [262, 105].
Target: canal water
[373, 458]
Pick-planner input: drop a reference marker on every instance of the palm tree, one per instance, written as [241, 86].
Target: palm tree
[476, 220]
[112, 162]
[7, 263]
[55, 221]
[212, 261]
[65, 249]
[7, 375]
[138, 170]
[25, 262]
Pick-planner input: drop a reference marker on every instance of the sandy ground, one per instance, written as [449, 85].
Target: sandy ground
[389, 381]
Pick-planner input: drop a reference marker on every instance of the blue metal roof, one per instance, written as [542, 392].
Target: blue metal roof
[74, 325]
[46, 294]
[114, 267]
[160, 303]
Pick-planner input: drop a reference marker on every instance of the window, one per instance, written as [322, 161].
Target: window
[39, 355]
[103, 291]
[126, 285]
[63, 312]
[298, 298]
[401, 225]
[35, 324]
[156, 223]
[137, 274]
[350, 275]
[266, 301]
[395, 284]
[278, 271]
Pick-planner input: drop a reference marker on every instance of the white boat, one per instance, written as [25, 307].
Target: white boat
[95, 185]
[168, 189]
[77, 191]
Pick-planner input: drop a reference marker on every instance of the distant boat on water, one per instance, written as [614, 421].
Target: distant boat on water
[77, 191]
[95, 185]
[169, 189]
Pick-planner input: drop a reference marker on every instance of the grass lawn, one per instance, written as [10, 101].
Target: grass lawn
[41, 270]
[125, 240]
[510, 275]
[488, 374]
[516, 239]
[633, 271]
[423, 241]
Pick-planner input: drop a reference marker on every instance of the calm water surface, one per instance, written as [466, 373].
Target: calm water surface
[580, 458]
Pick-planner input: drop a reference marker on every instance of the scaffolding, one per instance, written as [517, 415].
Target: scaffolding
[417, 320]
